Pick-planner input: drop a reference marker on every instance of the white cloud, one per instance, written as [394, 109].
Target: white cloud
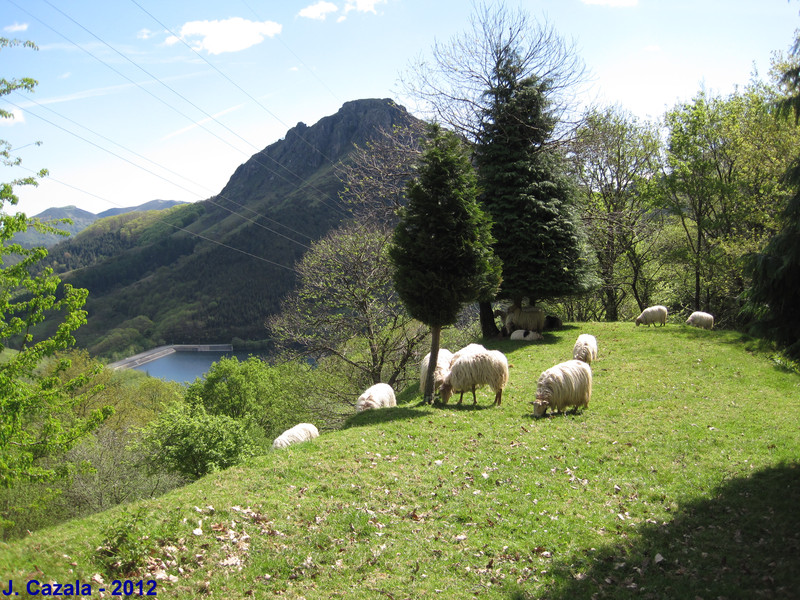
[616, 3]
[145, 34]
[230, 35]
[16, 28]
[362, 5]
[319, 10]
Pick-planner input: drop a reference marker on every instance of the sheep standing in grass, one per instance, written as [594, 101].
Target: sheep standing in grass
[302, 432]
[653, 314]
[530, 317]
[380, 395]
[701, 319]
[469, 370]
[525, 334]
[585, 348]
[564, 385]
[443, 359]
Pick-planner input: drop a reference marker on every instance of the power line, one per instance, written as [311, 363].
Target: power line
[192, 233]
[156, 174]
[193, 121]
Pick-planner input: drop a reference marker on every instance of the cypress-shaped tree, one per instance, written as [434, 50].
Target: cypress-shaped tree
[441, 249]
[525, 192]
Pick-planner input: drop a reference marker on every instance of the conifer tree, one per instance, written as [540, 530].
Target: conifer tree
[441, 250]
[524, 190]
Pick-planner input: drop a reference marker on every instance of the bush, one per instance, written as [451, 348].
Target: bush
[190, 441]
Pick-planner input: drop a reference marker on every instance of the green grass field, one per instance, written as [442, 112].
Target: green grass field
[680, 480]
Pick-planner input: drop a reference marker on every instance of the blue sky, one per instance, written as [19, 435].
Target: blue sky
[146, 99]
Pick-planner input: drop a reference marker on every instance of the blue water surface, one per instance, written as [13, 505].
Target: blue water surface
[185, 367]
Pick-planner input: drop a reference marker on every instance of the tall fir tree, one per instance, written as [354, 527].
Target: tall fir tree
[524, 190]
[441, 250]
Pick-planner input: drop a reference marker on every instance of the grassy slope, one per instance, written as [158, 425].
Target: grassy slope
[681, 480]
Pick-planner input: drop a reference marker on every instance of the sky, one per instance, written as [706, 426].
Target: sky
[162, 99]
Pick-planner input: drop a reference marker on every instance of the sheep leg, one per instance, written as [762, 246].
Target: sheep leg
[474, 398]
[460, 398]
[498, 398]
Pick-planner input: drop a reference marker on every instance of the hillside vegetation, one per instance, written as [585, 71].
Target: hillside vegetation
[679, 481]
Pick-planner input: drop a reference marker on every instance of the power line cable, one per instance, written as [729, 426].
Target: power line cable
[220, 195]
[192, 233]
[156, 174]
[191, 103]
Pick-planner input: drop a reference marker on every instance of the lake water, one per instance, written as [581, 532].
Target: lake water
[185, 367]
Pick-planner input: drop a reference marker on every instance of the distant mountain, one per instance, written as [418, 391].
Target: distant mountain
[81, 219]
[152, 205]
[212, 271]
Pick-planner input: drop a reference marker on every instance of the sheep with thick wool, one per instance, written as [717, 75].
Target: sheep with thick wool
[526, 334]
[302, 432]
[529, 317]
[473, 367]
[653, 314]
[380, 395]
[585, 348]
[443, 359]
[701, 319]
[562, 386]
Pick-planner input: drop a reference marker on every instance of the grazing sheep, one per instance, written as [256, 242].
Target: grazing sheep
[585, 348]
[564, 385]
[380, 395]
[442, 366]
[701, 319]
[530, 317]
[653, 314]
[468, 370]
[551, 322]
[302, 432]
[526, 334]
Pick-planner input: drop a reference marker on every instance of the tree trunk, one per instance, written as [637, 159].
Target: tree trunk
[488, 325]
[436, 334]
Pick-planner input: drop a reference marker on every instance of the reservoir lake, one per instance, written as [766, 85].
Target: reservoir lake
[185, 367]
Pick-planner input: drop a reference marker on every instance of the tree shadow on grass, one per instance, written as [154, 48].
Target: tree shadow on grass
[385, 415]
[743, 542]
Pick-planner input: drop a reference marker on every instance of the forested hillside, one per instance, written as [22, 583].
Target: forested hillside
[214, 270]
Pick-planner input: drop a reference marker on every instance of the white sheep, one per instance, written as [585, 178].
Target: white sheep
[526, 334]
[653, 314]
[380, 395]
[302, 432]
[530, 317]
[564, 385]
[443, 359]
[469, 370]
[585, 348]
[701, 319]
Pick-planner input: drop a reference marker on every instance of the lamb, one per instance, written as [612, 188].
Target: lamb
[564, 385]
[302, 432]
[585, 348]
[526, 334]
[653, 314]
[701, 319]
[530, 317]
[474, 368]
[380, 395]
[442, 366]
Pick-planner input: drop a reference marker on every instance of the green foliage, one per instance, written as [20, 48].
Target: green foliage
[37, 419]
[271, 398]
[442, 252]
[130, 540]
[523, 188]
[193, 442]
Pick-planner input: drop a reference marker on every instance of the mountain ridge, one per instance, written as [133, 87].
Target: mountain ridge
[217, 268]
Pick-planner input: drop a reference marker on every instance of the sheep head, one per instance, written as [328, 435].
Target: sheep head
[540, 406]
[446, 391]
